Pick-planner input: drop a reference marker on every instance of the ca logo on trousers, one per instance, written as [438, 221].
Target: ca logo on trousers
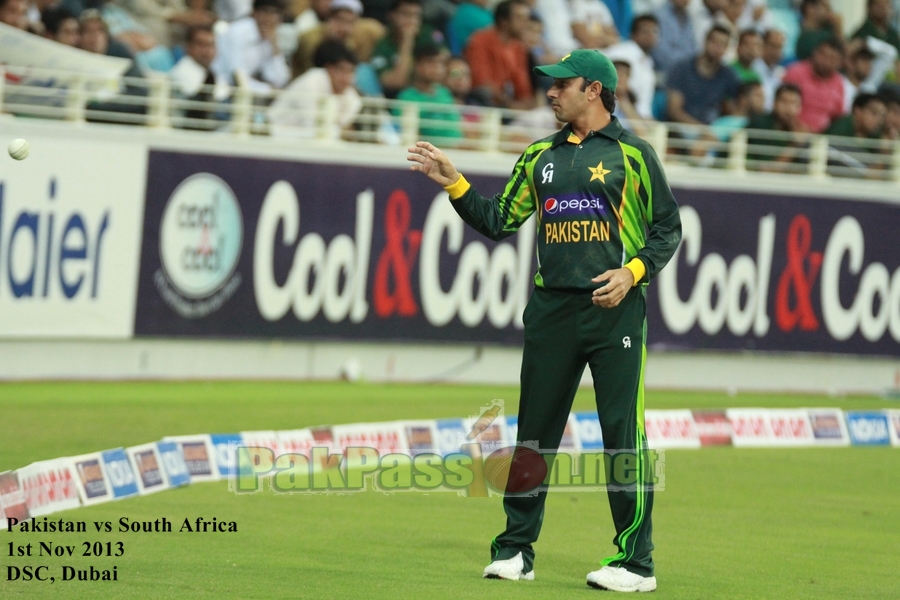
[626, 342]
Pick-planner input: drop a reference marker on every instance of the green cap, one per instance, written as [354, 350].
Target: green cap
[590, 64]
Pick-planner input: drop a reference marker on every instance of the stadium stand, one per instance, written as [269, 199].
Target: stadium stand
[233, 93]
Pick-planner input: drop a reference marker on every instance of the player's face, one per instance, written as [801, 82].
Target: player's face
[567, 99]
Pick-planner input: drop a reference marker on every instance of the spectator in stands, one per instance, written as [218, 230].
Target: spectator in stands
[14, 13]
[392, 58]
[850, 157]
[865, 120]
[593, 24]
[730, 18]
[34, 13]
[699, 88]
[471, 16]
[704, 15]
[294, 113]
[817, 22]
[428, 89]
[143, 46]
[768, 66]
[626, 111]
[499, 57]
[892, 115]
[248, 50]
[755, 15]
[857, 68]
[573, 24]
[820, 83]
[636, 51]
[167, 20]
[883, 62]
[345, 25]
[316, 14]
[61, 25]
[539, 53]
[676, 35]
[769, 153]
[193, 78]
[878, 24]
[749, 50]
[95, 38]
[749, 102]
[378, 10]
[459, 82]
[437, 14]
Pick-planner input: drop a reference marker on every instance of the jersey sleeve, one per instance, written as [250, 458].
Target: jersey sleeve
[663, 220]
[502, 215]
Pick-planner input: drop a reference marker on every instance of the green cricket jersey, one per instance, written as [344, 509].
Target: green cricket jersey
[600, 203]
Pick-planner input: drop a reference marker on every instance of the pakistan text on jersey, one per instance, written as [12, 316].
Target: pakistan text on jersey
[576, 231]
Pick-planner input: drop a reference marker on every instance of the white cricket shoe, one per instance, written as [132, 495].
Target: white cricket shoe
[618, 579]
[512, 569]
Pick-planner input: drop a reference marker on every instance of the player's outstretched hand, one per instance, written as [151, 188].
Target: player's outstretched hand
[618, 282]
[429, 159]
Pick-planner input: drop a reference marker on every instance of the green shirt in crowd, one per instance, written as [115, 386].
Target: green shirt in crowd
[428, 130]
[870, 29]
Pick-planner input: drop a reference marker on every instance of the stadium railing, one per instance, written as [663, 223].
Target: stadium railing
[155, 102]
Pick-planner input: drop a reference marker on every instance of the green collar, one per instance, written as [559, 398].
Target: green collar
[612, 131]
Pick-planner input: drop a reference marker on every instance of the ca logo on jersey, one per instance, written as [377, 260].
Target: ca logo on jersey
[626, 342]
[547, 172]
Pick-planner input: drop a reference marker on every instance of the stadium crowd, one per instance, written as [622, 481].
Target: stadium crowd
[726, 64]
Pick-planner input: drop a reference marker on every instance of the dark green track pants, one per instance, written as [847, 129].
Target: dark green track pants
[563, 333]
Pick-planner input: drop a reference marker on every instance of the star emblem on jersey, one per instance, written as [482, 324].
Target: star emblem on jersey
[599, 172]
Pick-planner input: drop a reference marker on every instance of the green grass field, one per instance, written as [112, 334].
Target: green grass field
[731, 523]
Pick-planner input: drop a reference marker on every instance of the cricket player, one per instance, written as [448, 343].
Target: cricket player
[607, 223]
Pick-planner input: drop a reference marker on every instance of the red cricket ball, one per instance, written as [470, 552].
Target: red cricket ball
[515, 469]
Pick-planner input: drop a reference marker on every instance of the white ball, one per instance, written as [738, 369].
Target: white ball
[18, 149]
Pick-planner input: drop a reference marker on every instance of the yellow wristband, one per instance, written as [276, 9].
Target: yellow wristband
[458, 188]
[637, 268]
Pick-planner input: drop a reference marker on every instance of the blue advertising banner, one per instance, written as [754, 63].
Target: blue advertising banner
[868, 428]
[118, 470]
[260, 248]
[172, 460]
